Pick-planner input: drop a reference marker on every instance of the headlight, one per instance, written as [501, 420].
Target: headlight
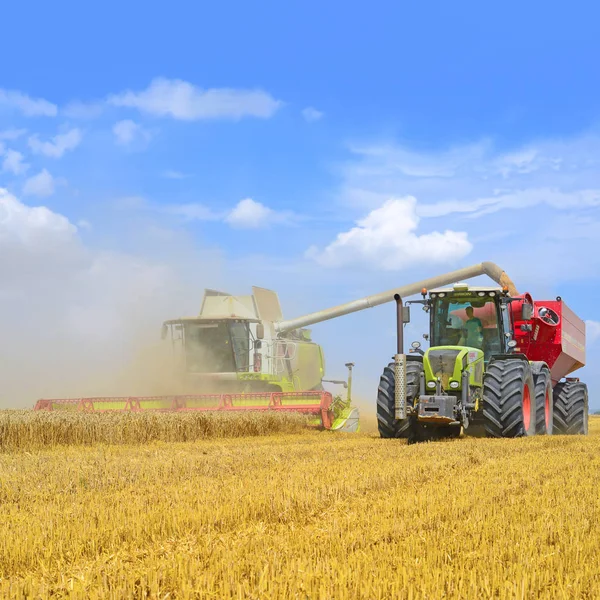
[431, 384]
[454, 384]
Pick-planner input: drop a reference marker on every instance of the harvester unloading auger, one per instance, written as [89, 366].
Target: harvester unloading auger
[240, 354]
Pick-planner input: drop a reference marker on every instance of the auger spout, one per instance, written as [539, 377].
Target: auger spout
[485, 268]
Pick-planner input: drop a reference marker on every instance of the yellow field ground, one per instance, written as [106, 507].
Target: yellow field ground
[308, 515]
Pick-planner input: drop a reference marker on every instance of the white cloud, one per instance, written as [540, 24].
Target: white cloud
[249, 214]
[311, 114]
[127, 131]
[246, 214]
[41, 185]
[541, 199]
[12, 134]
[59, 144]
[13, 162]
[386, 239]
[182, 100]
[29, 107]
[31, 238]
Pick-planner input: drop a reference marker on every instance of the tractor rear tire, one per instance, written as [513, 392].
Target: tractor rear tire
[509, 399]
[388, 426]
[544, 401]
[571, 408]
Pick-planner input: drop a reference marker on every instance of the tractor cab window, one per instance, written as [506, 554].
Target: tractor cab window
[217, 347]
[471, 322]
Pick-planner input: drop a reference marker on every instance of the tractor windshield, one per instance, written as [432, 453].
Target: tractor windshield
[217, 347]
[466, 321]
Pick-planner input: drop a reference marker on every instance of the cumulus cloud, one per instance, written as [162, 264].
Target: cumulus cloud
[27, 106]
[249, 214]
[182, 100]
[32, 239]
[41, 185]
[311, 114]
[59, 144]
[387, 239]
[13, 163]
[127, 131]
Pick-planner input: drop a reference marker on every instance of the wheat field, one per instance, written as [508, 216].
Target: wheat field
[302, 514]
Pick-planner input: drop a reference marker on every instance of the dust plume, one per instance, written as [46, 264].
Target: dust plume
[78, 320]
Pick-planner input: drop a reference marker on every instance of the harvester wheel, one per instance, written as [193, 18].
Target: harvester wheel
[544, 402]
[571, 408]
[509, 399]
[389, 427]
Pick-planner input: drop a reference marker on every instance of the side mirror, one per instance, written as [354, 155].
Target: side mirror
[260, 331]
[163, 332]
[257, 344]
[526, 312]
[416, 345]
[406, 314]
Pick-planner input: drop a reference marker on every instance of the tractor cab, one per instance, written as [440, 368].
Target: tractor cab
[473, 317]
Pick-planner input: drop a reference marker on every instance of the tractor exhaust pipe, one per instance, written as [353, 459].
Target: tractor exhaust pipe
[399, 364]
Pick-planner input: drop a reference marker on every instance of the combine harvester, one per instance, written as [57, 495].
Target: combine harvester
[241, 355]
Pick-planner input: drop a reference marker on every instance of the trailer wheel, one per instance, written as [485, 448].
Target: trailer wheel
[571, 408]
[388, 426]
[544, 401]
[509, 399]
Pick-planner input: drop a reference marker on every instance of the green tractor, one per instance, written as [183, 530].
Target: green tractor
[494, 368]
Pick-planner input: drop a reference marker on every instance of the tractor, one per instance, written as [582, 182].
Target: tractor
[497, 366]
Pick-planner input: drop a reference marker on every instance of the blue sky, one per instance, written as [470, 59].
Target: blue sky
[327, 152]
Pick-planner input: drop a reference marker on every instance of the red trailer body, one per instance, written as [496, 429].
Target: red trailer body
[554, 335]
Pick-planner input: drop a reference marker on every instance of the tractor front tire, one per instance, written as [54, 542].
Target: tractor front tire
[571, 408]
[388, 426]
[544, 401]
[509, 399]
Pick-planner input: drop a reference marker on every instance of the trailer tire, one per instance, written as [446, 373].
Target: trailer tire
[544, 401]
[388, 426]
[571, 408]
[509, 399]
